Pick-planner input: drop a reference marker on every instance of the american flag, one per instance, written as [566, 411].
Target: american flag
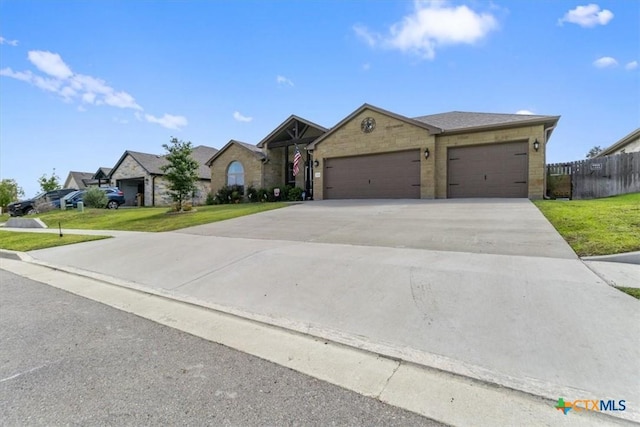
[297, 157]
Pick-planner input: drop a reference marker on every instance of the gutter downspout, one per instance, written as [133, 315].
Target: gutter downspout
[547, 131]
[153, 190]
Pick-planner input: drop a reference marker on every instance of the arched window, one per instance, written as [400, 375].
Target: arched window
[235, 174]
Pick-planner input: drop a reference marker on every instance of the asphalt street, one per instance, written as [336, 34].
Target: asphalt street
[68, 360]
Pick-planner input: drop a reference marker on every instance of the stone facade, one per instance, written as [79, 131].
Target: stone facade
[252, 164]
[527, 133]
[390, 135]
[130, 176]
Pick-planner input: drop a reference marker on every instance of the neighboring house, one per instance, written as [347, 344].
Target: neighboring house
[374, 153]
[82, 180]
[628, 144]
[141, 174]
[77, 180]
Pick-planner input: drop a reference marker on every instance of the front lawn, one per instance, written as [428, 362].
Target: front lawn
[24, 241]
[596, 227]
[150, 219]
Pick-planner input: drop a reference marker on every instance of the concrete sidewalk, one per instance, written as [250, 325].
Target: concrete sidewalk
[541, 324]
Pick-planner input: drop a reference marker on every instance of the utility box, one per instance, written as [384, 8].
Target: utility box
[80, 206]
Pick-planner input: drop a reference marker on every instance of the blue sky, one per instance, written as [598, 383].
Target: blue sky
[81, 82]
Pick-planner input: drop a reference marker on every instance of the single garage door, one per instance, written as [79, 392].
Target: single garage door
[376, 176]
[499, 170]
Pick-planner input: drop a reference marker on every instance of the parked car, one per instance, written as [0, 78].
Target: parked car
[30, 206]
[115, 197]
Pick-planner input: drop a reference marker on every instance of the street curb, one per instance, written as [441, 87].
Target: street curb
[483, 378]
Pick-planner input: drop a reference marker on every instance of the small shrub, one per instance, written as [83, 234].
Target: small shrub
[228, 194]
[294, 194]
[211, 199]
[263, 195]
[95, 198]
[252, 194]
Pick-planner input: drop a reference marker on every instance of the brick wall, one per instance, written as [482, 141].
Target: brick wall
[527, 133]
[250, 162]
[389, 135]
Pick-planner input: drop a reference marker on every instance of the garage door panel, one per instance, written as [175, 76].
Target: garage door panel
[387, 176]
[499, 170]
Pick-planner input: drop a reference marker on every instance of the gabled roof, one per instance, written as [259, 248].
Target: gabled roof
[464, 121]
[282, 129]
[78, 177]
[431, 128]
[153, 163]
[102, 171]
[620, 144]
[252, 148]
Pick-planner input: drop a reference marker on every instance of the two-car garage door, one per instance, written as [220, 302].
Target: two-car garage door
[375, 176]
[499, 170]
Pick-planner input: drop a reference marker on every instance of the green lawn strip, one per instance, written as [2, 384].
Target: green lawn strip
[596, 227]
[150, 219]
[24, 241]
[634, 292]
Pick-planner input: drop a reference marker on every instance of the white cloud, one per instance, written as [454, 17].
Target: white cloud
[283, 81]
[631, 65]
[525, 112]
[121, 100]
[432, 25]
[605, 62]
[25, 76]
[168, 121]
[50, 63]
[239, 117]
[365, 35]
[89, 98]
[9, 42]
[58, 78]
[587, 16]
[366, 67]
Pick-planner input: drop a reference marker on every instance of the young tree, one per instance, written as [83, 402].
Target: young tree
[9, 192]
[51, 183]
[594, 152]
[181, 172]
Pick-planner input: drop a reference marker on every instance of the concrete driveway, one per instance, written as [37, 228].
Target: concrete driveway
[483, 288]
[507, 227]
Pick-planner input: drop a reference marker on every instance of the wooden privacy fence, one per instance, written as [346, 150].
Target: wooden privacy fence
[594, 178]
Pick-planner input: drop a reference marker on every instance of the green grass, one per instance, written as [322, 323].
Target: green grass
[150, 219]
[24, 241]
[596, 227]
[634, 292]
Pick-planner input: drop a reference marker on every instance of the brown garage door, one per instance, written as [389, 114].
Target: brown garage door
[377, 176]
[499, 170]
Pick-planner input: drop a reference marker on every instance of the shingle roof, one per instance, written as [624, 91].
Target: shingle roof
[456, 120]
[254, 149]
[79, 178]
[105, 171]
[202, 154]
[620, 143]
[153, 163]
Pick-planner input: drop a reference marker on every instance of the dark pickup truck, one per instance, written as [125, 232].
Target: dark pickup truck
[30, 206]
